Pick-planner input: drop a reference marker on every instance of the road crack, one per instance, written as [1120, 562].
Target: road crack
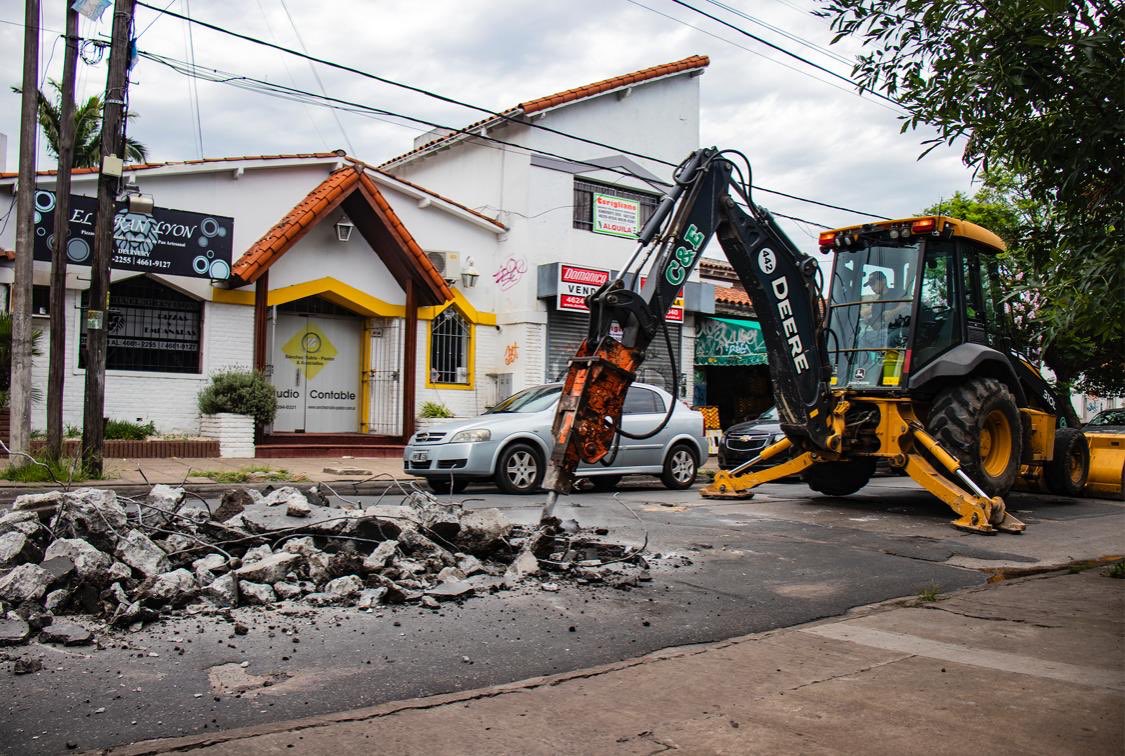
[989, 619]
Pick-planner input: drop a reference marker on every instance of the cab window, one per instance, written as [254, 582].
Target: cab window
[938, 324]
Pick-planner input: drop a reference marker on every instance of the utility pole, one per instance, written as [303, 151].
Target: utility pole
[19, 397]
[109, 179]
[57, 359]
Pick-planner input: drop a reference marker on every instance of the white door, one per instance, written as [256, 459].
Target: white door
[316, 373]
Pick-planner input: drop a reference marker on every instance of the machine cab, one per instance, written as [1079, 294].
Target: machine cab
[905, 292]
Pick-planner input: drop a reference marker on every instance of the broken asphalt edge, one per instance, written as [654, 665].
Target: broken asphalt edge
[9, 492]
[194, 742]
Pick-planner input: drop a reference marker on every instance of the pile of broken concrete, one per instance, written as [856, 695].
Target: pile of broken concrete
[127, 561]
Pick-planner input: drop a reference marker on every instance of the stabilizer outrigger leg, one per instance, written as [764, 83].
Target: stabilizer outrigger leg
[978, 512]
[732, 484]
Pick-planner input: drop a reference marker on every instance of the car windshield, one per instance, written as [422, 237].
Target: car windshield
[1108, 417]
[534, 399]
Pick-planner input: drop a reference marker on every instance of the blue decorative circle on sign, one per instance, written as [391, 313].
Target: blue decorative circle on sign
[203, 242]
[77, 250]
[199, 264]
[40, 232]
[209, 227]
[220, 270]
[44, 202]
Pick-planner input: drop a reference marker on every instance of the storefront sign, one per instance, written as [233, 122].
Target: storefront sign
[723, 341]
[675, 313]
[171, 242]
[616, 216]
[575, 283]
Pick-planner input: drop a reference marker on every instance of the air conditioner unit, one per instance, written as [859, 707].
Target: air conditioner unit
[448, 264]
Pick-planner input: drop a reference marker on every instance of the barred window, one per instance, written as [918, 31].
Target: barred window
[584, 192]
[150, 327]
[449, 348]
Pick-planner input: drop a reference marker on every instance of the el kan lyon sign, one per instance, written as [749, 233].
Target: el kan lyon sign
[171, 242]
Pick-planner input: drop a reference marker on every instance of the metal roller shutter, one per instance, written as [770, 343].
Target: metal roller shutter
[565, 331]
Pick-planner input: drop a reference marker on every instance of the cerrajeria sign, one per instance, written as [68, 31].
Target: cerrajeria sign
[172, 242]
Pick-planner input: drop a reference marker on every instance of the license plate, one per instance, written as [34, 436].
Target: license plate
[420, 456]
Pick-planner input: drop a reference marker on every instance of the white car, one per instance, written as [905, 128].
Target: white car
[511, 443]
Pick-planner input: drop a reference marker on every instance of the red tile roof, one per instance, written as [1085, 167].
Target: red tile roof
[316, 207]
[733, 296]
[565, 97]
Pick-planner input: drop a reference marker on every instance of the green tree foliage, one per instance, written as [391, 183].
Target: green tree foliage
[242, 392]
[1033, 88]
[87, 129]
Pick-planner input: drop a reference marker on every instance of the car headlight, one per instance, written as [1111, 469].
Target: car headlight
[776, 437]
[471, 436]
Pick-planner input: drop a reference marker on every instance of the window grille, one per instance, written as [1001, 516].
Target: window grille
[150, 327]
[449, 348]
[584, 192]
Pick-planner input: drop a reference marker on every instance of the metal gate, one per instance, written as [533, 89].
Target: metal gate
[384, 377]
[565, 331]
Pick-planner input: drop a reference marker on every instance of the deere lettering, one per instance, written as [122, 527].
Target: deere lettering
[789, 324]
[684, 258]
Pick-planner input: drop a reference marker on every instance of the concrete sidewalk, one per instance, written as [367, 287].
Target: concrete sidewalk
[1028, 666]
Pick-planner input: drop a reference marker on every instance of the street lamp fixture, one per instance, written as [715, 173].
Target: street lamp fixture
[469, 275]
[343, 229]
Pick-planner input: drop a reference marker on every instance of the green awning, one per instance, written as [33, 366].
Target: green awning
[723, 341]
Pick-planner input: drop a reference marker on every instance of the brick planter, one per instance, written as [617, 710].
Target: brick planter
[234, 433]
[155, 448]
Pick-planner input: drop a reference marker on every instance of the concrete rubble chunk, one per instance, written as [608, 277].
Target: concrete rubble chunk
[60, 567]
[26, 666]
[56, 600]
[139, 552]
[379, 557]
[208, 567]
[177, 543]
[430, 602]
[256, 594]
[176, 587]
[304, 546]
[469, 565]
[298, 509]
[120, 571]
[20, 522]
[346, 471]
[93, 514]
[449, 574]
[257, 553]
[13, 630]
[16, 548]
[483, 531]
[164, 497]
[370, 597]
[232, 503]
[28, 582]
[261, 519]
[443, 519]
[286, 590]
[37, 501]
[270, 569]
[525, 565]
[89, 563]
[452, 589]
[344, 588]
[67, 633]
[285, 495]
[224, 590]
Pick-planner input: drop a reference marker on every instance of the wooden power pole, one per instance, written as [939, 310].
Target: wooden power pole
[56, 364]
[19, 397]
[109, 180]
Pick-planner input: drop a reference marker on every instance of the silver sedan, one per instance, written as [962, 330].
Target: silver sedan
[511, 443]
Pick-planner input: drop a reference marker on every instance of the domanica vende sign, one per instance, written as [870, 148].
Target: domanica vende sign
[575, 283]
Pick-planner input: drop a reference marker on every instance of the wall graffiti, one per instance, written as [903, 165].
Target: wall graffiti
[510, 272]
[511, 353]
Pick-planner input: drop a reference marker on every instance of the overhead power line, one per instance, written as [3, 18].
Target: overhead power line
[453, 101]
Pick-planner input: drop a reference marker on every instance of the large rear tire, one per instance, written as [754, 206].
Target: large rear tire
[1067, 472]
[839, 478]
[979, 424]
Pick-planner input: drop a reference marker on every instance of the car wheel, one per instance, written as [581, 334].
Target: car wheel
[519, 470]
[443, 486]
[604, 482]
[680, 468]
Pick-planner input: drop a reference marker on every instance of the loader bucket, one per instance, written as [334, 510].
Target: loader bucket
[1107, 465]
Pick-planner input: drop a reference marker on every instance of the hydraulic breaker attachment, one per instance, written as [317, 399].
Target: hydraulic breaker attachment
[977, 512]
[732, 484]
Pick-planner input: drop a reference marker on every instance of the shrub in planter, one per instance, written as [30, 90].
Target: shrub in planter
[124, 430]
[242, 392]
[435, 410]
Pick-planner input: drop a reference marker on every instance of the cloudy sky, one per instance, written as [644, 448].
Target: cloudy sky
[805, 133]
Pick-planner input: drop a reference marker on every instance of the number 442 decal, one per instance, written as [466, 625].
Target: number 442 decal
[684, 258]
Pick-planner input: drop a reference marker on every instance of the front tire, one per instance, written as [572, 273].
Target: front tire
[1067, 472]
[839, 478]
[979, 424]
[680, 468]
[519, 470]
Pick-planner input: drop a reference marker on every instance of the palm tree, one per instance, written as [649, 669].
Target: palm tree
[87, 129]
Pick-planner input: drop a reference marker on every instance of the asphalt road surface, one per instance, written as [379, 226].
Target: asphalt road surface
[719, 569]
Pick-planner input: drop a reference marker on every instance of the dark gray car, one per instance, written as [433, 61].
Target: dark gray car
[511, 443]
